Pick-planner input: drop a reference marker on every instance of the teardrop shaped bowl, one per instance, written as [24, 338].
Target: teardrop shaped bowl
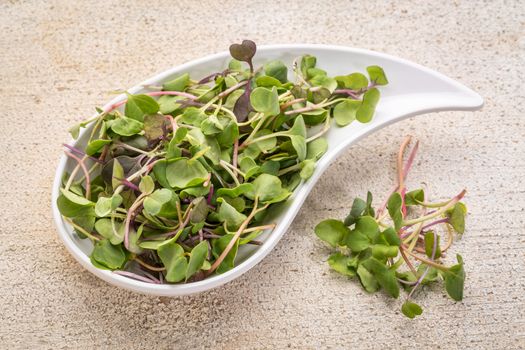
[412, 90]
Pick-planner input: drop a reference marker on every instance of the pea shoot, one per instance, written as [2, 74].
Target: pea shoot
[172, 182]
[400, 243]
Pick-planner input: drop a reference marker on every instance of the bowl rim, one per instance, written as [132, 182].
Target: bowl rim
[257, 255]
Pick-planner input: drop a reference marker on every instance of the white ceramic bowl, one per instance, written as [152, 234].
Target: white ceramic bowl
[412, 90]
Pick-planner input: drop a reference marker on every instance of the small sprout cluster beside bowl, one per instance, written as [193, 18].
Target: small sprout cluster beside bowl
[171, 182]
[401, 247]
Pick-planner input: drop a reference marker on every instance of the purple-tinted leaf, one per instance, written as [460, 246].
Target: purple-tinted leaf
[244, 52]
[243, 106]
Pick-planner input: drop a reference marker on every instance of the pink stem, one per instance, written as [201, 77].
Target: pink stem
[153, 93]
[210, 195]
[348, 92]
[403, 203]
[129, 184]
[406, 169]
[129, 216]
[233, 88]
[410, 159]
[135, 276]
[235, 153]
[437, 222]
[84, 169]
[420, 279]
[81, 153]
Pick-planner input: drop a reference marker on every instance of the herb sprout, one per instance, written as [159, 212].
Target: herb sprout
[173, 181]
[401, 246]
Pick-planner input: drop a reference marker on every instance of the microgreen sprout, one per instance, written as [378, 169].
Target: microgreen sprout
[401, 247]
[172, 182]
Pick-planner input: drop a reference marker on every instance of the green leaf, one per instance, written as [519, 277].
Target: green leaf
[86, 221]
[193, 116]
[267, 81]
[236, 191]
[385, 276]
[211, 126]
[172, 256]
[152, 245]
[71, 205]
[307, 62]
[343, 264]
[115, 233]
[381, 251]
[455, 280]
[162, 202]
[345, 111]
[200, 210]
[95, 146]
[177, 84]
[106, 205]
[368, 226]
[218, 246]
[394, 210]
[316, 148]
[316, 116]
[238, 203]
[229, 134]
[146, 185]
[234, 65]
[391, 236]
[357, 241]
[354, 81]
[369, 210]
[265, 101]
[197, 258]
[196, 191]
[133, 240]
[180, 134]
[457, 217]
[117, 174]
[138, 106]
[267, 144]
[109, 256]
[184, 173]
[368, 106]
[154, 126]
[368, 280]
[230, 215]
[377, 75]
[358, 206]
[414, 197]
[307, 169]
[268, 188]
[232, 98]
[299, 144]
[277, 70]
[126, 126]
[75, 130]
[298, 128]
[322, 80]
[429, 245]
[331, 231]
[411, 310]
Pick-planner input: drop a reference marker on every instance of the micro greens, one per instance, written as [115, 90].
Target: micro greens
[173, 181]
[400, 247]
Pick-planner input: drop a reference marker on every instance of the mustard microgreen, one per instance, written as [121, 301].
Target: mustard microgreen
[172, 182]
[402, 247]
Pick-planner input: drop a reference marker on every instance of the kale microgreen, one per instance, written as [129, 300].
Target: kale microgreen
[401, 247]
[174, 180]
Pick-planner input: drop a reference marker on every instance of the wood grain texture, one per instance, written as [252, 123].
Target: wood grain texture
[59, 59]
